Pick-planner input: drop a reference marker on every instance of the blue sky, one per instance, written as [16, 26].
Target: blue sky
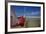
[27, 10]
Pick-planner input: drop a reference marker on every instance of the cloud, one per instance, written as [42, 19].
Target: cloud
[35, 13]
